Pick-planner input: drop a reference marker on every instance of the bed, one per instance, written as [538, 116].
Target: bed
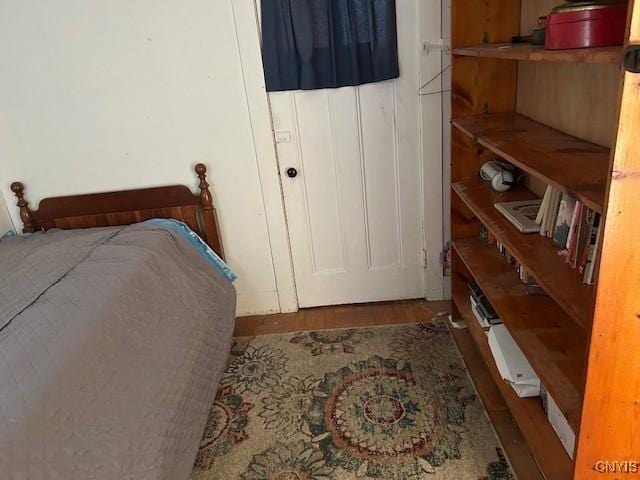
[112, 340]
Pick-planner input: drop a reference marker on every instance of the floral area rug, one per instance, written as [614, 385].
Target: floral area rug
[385, 403]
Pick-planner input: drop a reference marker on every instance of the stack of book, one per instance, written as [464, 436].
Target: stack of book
[527, 280]
[482, 309]
[575, 229]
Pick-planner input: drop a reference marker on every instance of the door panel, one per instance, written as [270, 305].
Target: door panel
[319, 178]
[380, 158]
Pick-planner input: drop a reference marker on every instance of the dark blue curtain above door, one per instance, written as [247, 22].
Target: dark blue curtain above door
[310, 44]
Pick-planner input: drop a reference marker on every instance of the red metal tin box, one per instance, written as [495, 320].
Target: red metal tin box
[586, 24]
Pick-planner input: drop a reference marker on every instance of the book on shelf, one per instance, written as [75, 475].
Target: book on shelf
[524, 275]
[481, 307]
[596, 262]
[547, 215]
[484, 232]
[591, 251]
[482, 321]
[474, 290]
[584, 227]
[530, 283]
[574, 234]
[574, 229]
[564, 220]
[544, 205]
[552, 213]
[521, 214]
[522, 272]
[584, 247]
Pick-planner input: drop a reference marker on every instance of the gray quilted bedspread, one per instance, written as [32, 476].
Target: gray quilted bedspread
[112, 345]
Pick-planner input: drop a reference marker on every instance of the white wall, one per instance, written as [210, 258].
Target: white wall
[103, 95]
[5, 221]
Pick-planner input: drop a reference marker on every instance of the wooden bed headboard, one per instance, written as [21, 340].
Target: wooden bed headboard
[126, 207]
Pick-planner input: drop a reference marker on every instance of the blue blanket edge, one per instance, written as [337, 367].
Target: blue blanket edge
[200, 245]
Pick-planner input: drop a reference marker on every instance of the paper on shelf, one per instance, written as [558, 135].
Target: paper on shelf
[512, 364]
[559, 422]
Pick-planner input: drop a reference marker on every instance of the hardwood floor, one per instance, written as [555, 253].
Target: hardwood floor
[341, 316]
[405, 311]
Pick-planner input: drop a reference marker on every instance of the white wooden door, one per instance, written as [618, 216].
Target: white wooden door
[354, 209]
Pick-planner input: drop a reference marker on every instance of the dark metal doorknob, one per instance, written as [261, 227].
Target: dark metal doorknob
[292, 172]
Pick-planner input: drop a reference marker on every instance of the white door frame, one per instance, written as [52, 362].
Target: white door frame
[432, 142]
[246, 15]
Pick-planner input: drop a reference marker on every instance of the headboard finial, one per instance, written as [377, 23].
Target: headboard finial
[205, 195]
[25, 213]
[208, 212]
[201, 170]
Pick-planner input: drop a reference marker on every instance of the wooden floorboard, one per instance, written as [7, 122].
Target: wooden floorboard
[341, 316]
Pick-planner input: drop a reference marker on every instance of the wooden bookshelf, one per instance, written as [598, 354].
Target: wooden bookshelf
[549, 339]
[574, 166]
[550, 456]
[582, 341]
[538, 254]
[537, 53]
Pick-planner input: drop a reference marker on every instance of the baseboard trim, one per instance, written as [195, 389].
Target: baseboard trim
[257, 303]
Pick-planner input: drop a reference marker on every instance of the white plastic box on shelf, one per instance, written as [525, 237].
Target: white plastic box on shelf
[558, 421]
[511, 363]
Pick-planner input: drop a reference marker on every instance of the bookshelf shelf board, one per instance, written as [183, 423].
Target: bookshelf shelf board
[538, 254]
[552, 343]
[575, 166]
[537, 53]
[552, 460]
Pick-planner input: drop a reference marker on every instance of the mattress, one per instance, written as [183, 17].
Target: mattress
[112, 345]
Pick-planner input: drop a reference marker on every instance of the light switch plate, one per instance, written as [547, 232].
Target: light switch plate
[283, 136]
